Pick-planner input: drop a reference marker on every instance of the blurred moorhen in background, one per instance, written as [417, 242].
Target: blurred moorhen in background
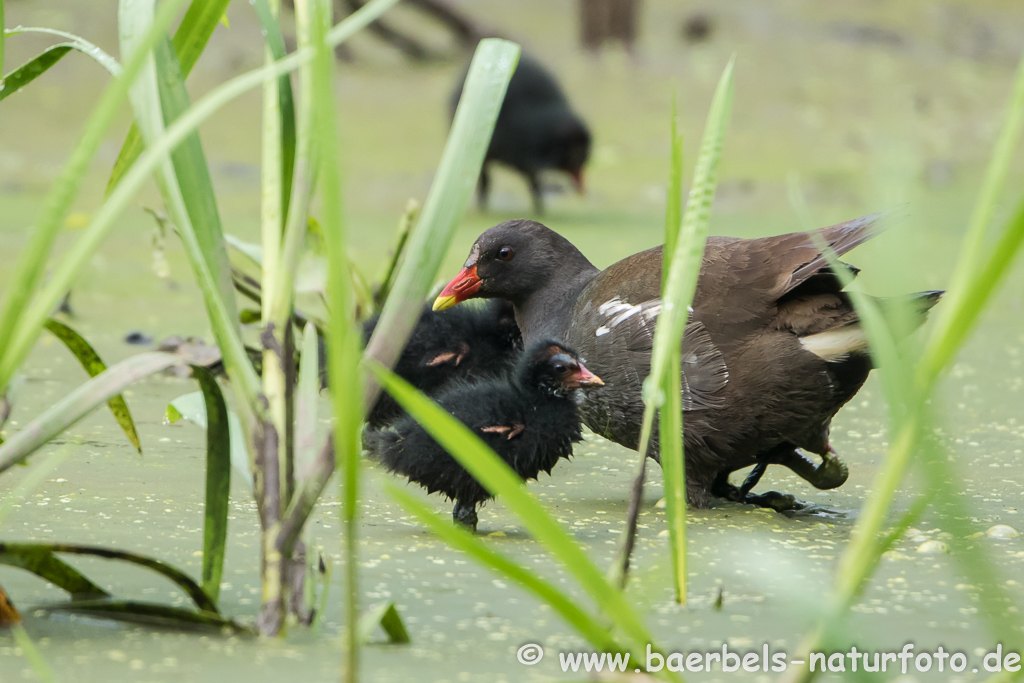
[771, 352]
[536, 130]
[474, 343]
[530, 419]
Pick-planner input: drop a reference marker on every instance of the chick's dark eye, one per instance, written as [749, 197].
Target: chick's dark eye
[561, 369]
[506, 254]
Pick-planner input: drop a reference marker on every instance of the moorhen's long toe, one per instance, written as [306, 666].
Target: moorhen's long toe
[529, 419]
[772, 350]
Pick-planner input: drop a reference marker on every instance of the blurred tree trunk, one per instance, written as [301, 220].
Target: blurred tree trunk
[466, 32]
[603, 20]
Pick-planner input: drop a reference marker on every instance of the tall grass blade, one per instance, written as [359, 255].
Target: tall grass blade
[674, 194]
[32, 259]
[94, 365]
[664, 380]
[909, 387]
[76, 42]
[190, 40]
[486, 82]
[282, 133]
[192, 407]
[988, 199]
[380, 296]
[892, 360]
[80, 402]
[193, 177]
[283, 231]
[150, 614]
[49, 567]
[344, 339]
[671, 415]
[187, 191]
[499, 479]
[35, 660]
[33, 69]
[947, 339]
[589, 627]
[32, 556]
[307, 403]
[15, 348]
[386, 617]
[218, 482]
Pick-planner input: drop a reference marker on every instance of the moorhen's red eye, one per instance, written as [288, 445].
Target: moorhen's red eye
[506, 253]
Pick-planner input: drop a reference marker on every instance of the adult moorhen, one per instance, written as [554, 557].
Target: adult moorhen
[536, 130]
[530, 419]
[447, 346]
[771, 351]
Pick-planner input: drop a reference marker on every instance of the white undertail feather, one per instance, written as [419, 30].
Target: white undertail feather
[835, 345]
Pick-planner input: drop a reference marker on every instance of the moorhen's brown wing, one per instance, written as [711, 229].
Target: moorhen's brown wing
[743, 362]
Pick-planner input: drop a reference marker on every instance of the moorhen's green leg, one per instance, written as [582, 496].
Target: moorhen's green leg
[754, 477]
[465, 514]
[831, 473]
[774, 455]
[780, 502]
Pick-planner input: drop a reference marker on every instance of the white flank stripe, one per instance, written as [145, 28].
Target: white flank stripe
[836, 344]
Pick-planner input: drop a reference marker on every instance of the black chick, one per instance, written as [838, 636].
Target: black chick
[529, 419]
[478, 343]
[536, 130]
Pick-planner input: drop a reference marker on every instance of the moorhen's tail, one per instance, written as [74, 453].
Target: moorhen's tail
[841, 334]
[842, 237]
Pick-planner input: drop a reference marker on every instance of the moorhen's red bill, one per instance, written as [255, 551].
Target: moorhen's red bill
[530, 420]
[772, 349]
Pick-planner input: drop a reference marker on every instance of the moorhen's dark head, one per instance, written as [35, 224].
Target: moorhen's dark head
[554, 369]
[511, 261]
[572, 150]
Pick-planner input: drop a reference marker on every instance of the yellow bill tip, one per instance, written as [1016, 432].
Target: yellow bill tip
[443, 302]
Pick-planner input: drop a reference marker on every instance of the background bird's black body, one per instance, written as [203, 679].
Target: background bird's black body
[526, 419]
[474, 343]
[536, 130]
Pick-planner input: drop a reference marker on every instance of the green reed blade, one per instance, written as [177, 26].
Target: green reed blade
[218, 482]
[79, 402]
[457, 173]
[94, 365]
[190, 40]
[33, 258]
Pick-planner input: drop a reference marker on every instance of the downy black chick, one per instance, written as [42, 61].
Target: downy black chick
[529, 419]
[473, 344]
